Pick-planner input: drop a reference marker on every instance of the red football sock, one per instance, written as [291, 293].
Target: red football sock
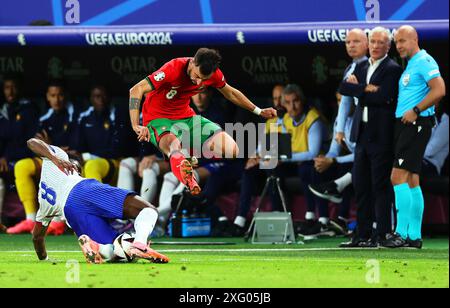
[175, 161]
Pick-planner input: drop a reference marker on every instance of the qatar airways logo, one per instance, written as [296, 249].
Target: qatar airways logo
[129, 38]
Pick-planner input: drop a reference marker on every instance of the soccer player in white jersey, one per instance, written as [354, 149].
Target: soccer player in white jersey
[88, 206]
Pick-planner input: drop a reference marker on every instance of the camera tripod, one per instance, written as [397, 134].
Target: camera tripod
[271, 180]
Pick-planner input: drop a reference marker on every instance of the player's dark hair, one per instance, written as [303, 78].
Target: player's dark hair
[99, 86]
[208, 60]
[14, 78]
[57, 83]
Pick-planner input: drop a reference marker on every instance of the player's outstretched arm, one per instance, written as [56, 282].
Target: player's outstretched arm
[42, 149]
[239, 99]
[136, 93]
[39, 232]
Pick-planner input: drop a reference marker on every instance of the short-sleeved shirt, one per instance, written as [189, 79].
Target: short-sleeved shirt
[173, 89]
[413, 85]
[54, 188]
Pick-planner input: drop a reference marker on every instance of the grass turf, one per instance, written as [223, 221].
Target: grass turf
[241, 265]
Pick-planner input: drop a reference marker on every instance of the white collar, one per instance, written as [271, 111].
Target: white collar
[377, 62]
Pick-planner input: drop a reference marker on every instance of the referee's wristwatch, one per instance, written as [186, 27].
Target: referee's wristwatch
[417, 110]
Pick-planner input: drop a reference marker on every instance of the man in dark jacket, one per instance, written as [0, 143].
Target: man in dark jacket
[375, 85]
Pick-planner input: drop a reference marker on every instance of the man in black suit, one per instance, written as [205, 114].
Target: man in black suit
[375, 84]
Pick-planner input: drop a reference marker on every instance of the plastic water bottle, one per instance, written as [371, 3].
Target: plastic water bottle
[184, 214]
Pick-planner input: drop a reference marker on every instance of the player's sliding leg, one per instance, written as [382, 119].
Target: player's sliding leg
[180, 165]
[145, 217]
[94, 252]
[90, 249]
[221, 145]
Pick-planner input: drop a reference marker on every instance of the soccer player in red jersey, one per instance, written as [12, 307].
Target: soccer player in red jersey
[166, 109]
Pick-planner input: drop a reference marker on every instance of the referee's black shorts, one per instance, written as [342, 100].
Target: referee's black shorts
[410, 143]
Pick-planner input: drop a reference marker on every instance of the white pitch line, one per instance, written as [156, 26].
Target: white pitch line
[221, 250]
[262, 250]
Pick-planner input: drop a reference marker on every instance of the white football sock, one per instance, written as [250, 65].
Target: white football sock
[324, 220]
[343, 181]
[106, 251]
[2, 196]
[150, 183]
[127, 171]
[240, 221]
[310, 216]
[169, 185]
[144, 224]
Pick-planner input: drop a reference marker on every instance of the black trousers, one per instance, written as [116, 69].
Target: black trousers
[373, 190]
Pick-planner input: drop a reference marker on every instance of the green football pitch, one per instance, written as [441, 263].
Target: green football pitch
[236, 264]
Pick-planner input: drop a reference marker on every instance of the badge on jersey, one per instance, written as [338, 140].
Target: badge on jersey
[406, 79]
[106, 125]
[18, 117]
[160, 76]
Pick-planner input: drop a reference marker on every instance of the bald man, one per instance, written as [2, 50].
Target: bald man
[421, 87]
[356, 44]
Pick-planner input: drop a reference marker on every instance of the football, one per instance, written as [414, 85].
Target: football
[121, 245]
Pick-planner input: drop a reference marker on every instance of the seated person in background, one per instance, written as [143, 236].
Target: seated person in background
[436, 151]
[19, 120]
[57, 127]
[148, 165]
[337, 162]
[308, 133]
[96, 138]
[143, 163]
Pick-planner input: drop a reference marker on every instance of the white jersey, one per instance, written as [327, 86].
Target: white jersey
[54, 188]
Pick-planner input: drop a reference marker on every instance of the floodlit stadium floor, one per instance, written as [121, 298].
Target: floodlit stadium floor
[237, 265]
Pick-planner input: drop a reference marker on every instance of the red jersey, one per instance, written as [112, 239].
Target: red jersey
[173, 89]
